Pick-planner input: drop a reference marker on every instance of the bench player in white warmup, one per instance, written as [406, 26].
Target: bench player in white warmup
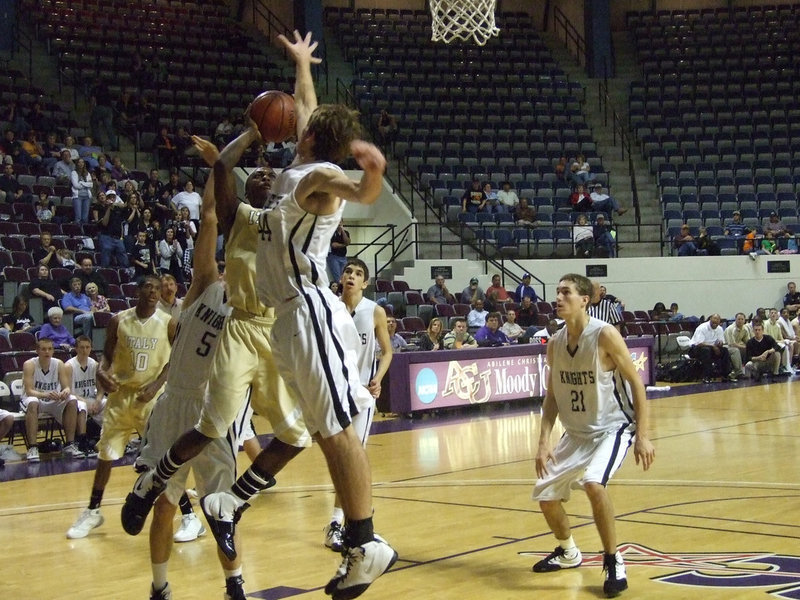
[594, 389]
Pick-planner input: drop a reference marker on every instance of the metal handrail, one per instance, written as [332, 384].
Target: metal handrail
[571, 34]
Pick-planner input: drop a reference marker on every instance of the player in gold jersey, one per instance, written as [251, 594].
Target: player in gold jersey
[133, 370]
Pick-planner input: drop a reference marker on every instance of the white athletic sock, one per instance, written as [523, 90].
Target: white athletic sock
[234, 573]
[337, 515]
[568, 545]
[159, 575]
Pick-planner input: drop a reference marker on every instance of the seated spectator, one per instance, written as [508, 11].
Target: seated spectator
[438, 292]
[491, 196]
[511, 328]
[583, 237]
[118, 171]
[705, 245]
[82, 185]
[773, 329]
[67, 258]
[490, 334]
[46, 384]
[52, 151]
[791, 300]
[188, 198]
[33, 149]
[88, 274]
[736, 336]
[525, 289]
[779, 231]
[768, 244]
[57, 332]
[224, 132]
[477, 316]
[398, 343]
[763, 353]
[684, 242]
[474, 199]
[527, 314]
[184, 145]
[541, 336]
[387, 127]
[99, 302]
[78, 304]
[525, 215]
[280, 154]
[63, 168]
[459, 337]
[735, 227]
[86, 389]
[44, 208]
[45, 288]
[10, 189]
[789, 333]
[580, 199]
[472, 292]
[90, 152]
[165, 150]
[660, 312]
[45, 254]
[583, 172]
[603, 239]
[561, 168]
[142, 257]
[19, 319]
[507, 198]
[496, 292]
[602, 202]
[69, 144]
[708, 345]
[12, 147]
[432, 339]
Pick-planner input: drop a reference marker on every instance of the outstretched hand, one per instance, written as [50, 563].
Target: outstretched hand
[302, 49]
[207, 150]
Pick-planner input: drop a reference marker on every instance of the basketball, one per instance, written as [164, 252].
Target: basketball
[273, 114]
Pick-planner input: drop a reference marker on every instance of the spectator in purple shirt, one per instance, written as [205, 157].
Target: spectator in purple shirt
[490, 334]
[54, 330]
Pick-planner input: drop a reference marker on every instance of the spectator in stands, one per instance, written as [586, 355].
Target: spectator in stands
[52, 151]
[735, 227]
[169, 301]
[705, 245]
[432, 339]
[763, 353]
[778, 229]
[79, 305]
[791, 300]
[459, 337]
[789, 334]
[280, 154]
[477, 316]
[102, 118]
[224, 132]
[542, 335]
[684, 242]
[773, 329]
[511, 328]
[580, 199]
[525, 215]
[602, 202]
[617, 302]
[188, 198]
[185, 233]
[45, 288]
[45, 254]
[474, 199]
[490, 334]
[337, 254]
[507, 198]
[12, 147]
[171, 256]
[82, 185]
[398, 343]
[525, 289]
[133, 223]
[583, 174]
[55, 330]
[110, 238]
[44, 208]
[438, 292]
[708, 345]
[472, 292]
[583, 237]
[102, 171]
[165, 150]
[497, 293]
[88, 274]
[99, 302]
[142, 256]
[10, 188]
[63, 169]
[491, 196]
[69, 144]
[118, 170]
[527, 313]
[89, 152]
[736, 335]
[604, 309]
[19, 319]
[387, 127]
[603, 239]
[561, 168]
[32, 147]
[46, 384]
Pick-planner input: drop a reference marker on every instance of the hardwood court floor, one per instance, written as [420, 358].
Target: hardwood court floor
[453, 496]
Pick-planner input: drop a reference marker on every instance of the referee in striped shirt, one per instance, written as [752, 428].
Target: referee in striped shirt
[603, 309]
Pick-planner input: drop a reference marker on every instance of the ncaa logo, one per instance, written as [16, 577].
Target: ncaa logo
[426, 386]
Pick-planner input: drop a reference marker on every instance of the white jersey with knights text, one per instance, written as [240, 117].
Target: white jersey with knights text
[84, 379]
[294, 244]
[46, 381]
[364, 318]
[590, 401]
[196, 339]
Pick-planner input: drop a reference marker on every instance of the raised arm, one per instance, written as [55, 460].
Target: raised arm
[305, 96]
[224, 186]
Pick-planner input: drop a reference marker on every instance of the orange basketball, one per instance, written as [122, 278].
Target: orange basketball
[273, 113]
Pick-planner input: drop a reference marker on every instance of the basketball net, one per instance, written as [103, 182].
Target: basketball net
[463, 19]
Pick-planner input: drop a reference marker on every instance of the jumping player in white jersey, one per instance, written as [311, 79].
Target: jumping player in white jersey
[201, 319]
[314, 340]
[370, 322]
[594, 389]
